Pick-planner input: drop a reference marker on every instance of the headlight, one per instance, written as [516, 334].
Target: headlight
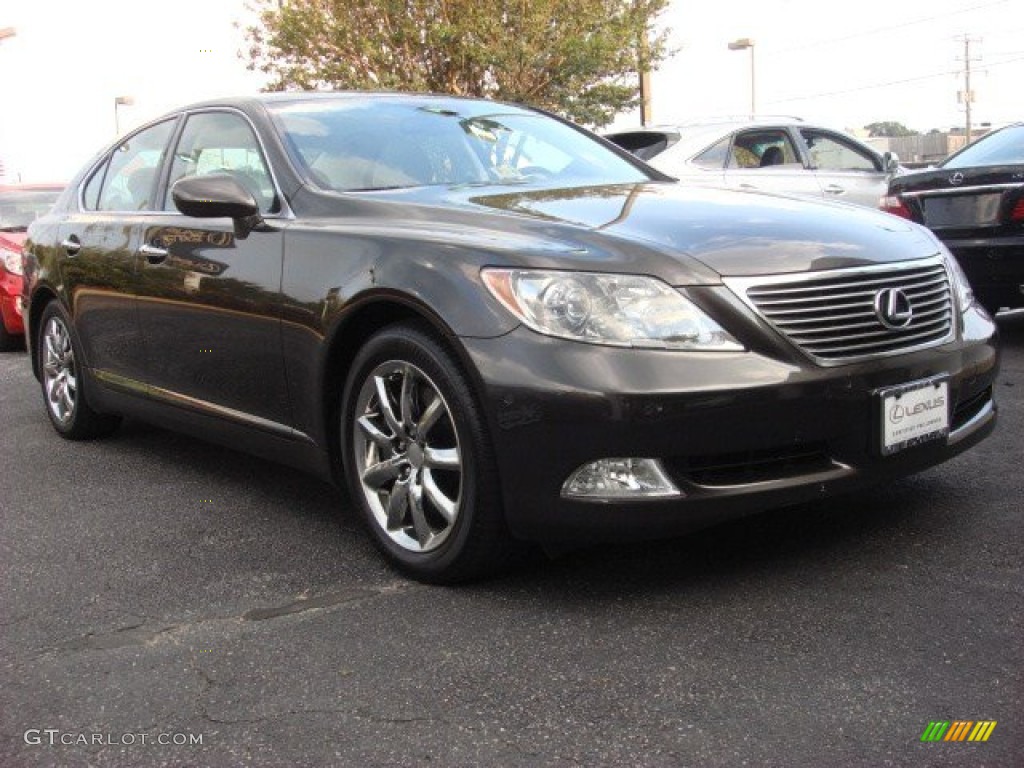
[961, 286]
[12, 260]
[620, 310]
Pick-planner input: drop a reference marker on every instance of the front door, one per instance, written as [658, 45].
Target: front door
[209, 300]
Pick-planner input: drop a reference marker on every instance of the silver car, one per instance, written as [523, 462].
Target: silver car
[771, 154]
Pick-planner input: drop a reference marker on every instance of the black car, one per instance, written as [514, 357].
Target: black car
[974, 202]
[493, 325]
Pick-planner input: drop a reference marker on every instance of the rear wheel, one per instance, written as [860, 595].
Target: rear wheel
[62, 381]
[418, 460]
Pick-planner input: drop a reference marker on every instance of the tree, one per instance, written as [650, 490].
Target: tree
[579, 58]
[890, 128]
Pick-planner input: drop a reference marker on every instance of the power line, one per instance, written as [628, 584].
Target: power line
[888, 83]
[879, 30]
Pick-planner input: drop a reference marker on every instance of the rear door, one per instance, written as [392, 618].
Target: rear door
[100, 238]
[845, 171]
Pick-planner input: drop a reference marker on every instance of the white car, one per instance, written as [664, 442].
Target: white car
[771, 154]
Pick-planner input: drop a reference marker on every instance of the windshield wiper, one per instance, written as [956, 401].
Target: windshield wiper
[15, 228]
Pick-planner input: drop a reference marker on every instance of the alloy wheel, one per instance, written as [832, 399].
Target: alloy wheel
[408, 457]
[60, 378]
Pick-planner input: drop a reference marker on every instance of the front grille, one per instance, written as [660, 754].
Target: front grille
[831, 315]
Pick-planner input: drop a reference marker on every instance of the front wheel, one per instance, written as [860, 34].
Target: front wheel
[418, 459]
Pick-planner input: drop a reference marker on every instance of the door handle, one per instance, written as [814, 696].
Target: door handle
[71, 245]
[748, 186]
[834, 189]
[153, 254]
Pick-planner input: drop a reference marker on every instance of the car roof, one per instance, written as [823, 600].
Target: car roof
[389, 97]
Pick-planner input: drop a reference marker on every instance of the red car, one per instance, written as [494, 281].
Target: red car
[19, 206]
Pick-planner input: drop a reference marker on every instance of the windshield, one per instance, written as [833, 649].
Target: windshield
[20, 207]
[1005, 147]
[374, 144]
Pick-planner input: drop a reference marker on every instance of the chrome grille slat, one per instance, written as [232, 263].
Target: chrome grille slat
[831, 316]
[932, 276]
[809, 341]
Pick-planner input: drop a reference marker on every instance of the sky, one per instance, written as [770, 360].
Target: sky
[842, 65]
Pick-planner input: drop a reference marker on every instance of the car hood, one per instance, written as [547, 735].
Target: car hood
[734, 233]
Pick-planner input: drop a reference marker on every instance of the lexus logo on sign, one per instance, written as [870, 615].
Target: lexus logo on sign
[956, 178]
[892, 308]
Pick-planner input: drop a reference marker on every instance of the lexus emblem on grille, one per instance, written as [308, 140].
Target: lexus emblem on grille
[892, 308]
[956, 178]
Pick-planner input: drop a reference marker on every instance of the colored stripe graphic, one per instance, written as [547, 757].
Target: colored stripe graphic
[958, 731]
[935, 730]
[982, 730]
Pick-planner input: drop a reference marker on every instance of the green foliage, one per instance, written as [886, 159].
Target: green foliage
[579, 58]
[890, 128]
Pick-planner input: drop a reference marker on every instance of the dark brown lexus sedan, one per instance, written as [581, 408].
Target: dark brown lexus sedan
[494, 326]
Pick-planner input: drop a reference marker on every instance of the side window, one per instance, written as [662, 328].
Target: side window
[763, 149]
[131, 172]
[222, 142]
[714, 157]
[830, 153]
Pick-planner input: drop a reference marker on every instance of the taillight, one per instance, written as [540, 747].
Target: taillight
[892, 204]
[1017, 214]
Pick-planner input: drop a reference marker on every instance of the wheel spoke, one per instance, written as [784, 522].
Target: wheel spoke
[430, 415]
[437, 497]
[405, 399]
[386, 410]
[419, 518]
[373, 433]
[441, 458]
[51, 347]
[398, 503]
[382, 473]
[65, 399]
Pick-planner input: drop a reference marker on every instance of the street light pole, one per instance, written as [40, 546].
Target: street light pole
[741, 45]
[120, 101]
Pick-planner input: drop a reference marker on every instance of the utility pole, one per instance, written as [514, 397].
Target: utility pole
[967, 95]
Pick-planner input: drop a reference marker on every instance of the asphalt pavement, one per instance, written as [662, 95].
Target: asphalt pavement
[155, 590]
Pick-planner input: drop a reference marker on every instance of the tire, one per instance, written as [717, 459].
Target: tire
[62, 381]
[420, 469]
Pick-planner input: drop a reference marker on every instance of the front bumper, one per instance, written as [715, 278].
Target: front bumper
[995, 268]
[737, 432]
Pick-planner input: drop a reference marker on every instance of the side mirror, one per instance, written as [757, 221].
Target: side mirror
[216, 196]
[891, 163]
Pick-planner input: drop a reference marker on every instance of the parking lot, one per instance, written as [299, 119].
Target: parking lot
[153, 586]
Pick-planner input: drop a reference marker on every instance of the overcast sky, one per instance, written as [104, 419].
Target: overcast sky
[840, 64]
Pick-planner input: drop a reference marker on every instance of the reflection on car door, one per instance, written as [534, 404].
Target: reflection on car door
[101, 241]
[209, 299]
[844, 171]
[766, 159]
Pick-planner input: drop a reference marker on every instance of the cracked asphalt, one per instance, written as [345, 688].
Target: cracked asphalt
[156, 586]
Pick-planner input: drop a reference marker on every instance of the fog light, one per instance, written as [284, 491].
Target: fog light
[620, 479]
